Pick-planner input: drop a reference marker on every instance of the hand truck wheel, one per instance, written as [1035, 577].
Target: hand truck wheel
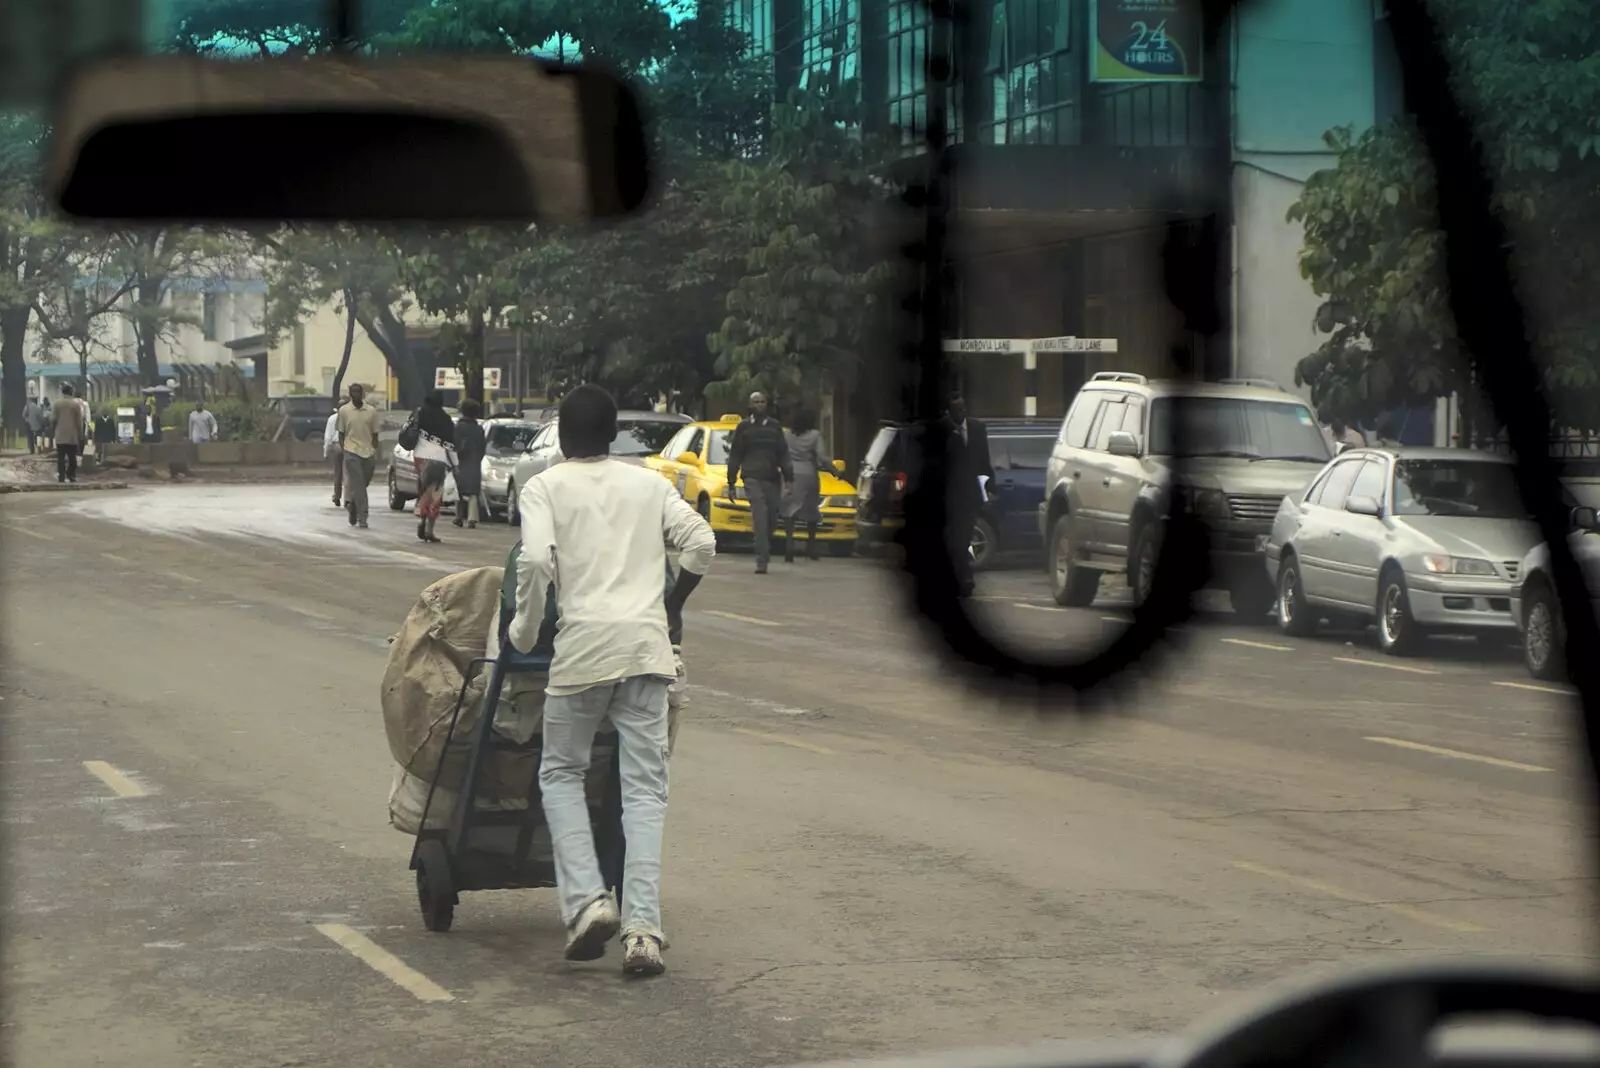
[436, 890]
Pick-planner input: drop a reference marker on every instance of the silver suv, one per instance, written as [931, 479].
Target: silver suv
[1247, 445]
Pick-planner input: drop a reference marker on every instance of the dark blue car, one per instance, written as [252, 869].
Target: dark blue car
[1020, 449]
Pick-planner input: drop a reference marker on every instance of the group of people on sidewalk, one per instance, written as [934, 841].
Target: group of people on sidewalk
[782, 471]
[63, 426]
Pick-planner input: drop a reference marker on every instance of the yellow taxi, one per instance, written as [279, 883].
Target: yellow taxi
[696, 461]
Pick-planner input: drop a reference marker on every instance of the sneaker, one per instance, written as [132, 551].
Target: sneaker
[362, 524]
[641, 955]
[596, 925]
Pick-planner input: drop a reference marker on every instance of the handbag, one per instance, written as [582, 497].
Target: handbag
[410, 434]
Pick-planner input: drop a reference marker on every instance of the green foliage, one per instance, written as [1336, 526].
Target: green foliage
[237, 419]
[1528, 73]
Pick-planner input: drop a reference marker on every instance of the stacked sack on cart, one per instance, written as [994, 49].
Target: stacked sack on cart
[455, 621]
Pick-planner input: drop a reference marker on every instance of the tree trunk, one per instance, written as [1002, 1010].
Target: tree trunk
[146, 330]
[14, 364]
[473, 371]
[349, 343]
[387, 331]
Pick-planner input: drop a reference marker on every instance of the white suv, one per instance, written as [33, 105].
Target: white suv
[1247, 445]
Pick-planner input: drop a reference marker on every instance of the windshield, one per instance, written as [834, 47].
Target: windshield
[1461, 488]
[509, 439]
[1225, 427]
[646, 437]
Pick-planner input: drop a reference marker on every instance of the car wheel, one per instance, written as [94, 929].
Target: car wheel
[513, 506]
[1295, 617]
[397, 500]
[1072, 585]
[1142, 562]
[1542, 639]
[983, 544]
[1398, 633]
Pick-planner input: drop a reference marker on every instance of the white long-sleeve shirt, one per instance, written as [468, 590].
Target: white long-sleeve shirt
[599, 530]
[330, 435]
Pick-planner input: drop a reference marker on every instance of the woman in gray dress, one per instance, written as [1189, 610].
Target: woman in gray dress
[804, 500]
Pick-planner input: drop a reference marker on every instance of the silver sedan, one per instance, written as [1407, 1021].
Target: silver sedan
[1416, 540]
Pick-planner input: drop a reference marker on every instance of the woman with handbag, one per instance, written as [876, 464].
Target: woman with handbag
[434, 454]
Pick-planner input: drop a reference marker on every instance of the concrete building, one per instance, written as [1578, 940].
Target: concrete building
[1096, 126]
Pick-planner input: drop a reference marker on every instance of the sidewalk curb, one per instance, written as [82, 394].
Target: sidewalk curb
[56, 487]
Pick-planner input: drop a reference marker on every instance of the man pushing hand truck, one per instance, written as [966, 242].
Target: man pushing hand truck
[596, 531]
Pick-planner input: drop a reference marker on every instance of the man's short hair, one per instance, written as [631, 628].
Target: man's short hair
[66, 391]
[587, 421]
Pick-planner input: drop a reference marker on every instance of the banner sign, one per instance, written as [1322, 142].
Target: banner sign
[1145, 41]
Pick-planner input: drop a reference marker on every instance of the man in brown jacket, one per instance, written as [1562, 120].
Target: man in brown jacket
[71, 429]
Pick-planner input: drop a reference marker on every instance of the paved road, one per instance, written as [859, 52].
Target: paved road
[866, 853]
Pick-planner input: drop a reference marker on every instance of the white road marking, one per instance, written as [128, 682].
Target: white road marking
[115, 559]
[754, 622]
[1037, 607]
[1364, 662]
[384, 963]
[1317, 886]
[13, 528]
[1456, 754]
[754, 702]
[783, 739]
[181, 577]
[120, 784]
[1536, 688]
[309, 614]
[1259, 645]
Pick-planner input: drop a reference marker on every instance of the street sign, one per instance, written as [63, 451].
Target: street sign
[1146, 41]
[449, 378]
[987, 345]
[1075, 344]
[125, 425]
[491, 378]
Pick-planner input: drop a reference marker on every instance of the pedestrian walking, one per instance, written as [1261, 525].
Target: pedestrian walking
[332, 451]
[33, 423]
[595, 533]
[47, 425]
[202, 424]
[71, 429]
[358, 440]
[969, 461]
[471, 444]
[760, 453]
[803, 502]
[434, 455]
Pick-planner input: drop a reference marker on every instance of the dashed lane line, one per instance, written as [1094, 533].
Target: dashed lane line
[752, 620]
[1457, 754]
[119, 783]
[384, 963]
[783, 739]
[1364, 662]
[1259, 645]
[1432, 919]
[1536, 688]
[754, 702]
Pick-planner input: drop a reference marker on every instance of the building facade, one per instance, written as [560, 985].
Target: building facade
[1095, 128]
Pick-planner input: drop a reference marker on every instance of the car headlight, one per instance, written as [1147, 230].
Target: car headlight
[1211, 503]
[739, 494]
[842, 501]
[1440, 564]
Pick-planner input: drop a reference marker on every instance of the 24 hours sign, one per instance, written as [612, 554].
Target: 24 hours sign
[1145, 41]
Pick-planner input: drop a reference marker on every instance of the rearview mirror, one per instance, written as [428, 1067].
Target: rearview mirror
[443, 138]
[1122, 443]
[1364, 506]
[1586, 518]
[689, 459]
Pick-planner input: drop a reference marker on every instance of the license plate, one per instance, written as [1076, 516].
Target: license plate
[1261, 542]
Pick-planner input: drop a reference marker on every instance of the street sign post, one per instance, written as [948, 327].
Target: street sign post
[491, 379]
[1028, 349]
[449, 378]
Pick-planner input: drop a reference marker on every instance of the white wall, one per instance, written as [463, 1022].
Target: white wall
[1275, 307]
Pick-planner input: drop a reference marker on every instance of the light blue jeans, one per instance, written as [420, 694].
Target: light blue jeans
[637, 708]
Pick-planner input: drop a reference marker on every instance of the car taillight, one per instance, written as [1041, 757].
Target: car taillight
[900, 483]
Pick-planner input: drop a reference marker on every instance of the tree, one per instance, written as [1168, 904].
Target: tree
[1526, 72]
[29, 249]
[152, 263]
[82, 293]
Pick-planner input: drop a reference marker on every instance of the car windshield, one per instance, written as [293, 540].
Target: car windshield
[1216, 426]
[1462, 488]
[509, 439]
[644, 437]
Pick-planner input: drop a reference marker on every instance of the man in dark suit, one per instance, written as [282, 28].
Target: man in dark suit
[969, 461]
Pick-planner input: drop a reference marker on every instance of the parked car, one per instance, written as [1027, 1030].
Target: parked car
[1247, 444]
[1534, 605]
[308, 415]
[507, 439]
[402, 480]
[696, 462]
[1418, 540]
[640, 434]
[1020, 452]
